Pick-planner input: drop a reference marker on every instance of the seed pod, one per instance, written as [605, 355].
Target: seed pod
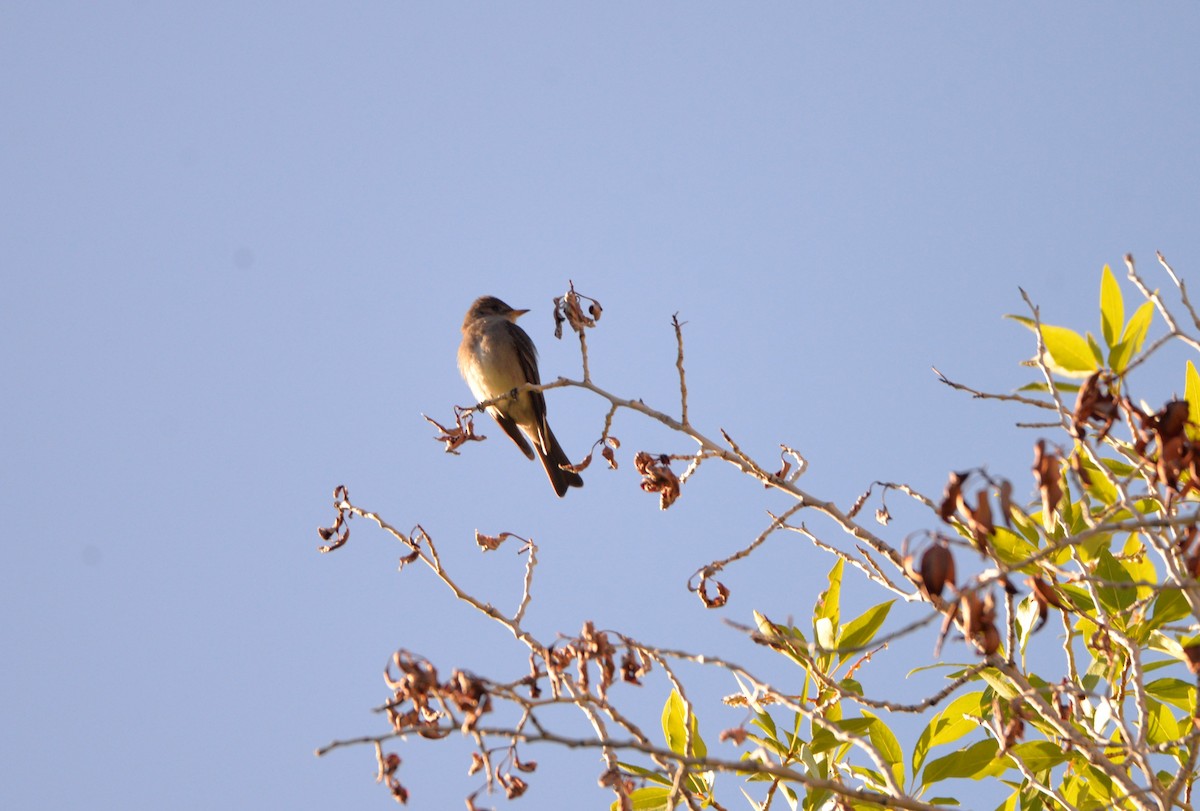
[937, 569]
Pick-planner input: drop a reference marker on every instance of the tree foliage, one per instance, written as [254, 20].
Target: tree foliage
[1108, 555]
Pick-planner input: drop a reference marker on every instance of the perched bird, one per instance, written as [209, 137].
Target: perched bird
[495, 357]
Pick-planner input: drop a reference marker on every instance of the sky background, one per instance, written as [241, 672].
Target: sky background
[238, 243]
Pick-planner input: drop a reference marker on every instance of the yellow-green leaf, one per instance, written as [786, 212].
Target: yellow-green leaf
[1097, 485]
[823, 739]
[1112, 307]
[859, 632]
[977, 761]
[883, 739]
[1173, 691]
[1191, 393]
[1039, 755]
[1069, 351]
[1135, 331]
[1161, 726]
[1116, 598]
[649, 798]
[1169, 606]
[829, 602]
[1010, 547]
[674, 712]
[949, 725]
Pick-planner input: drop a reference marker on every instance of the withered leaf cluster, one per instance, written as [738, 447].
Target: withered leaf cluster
[1160, 439]
[1167, 431]
[977, 517]
[490, 543]
[591, 646]
[1047, 472]
[635, 664]
[657, 477]
[977, 619]
[607, 444]
[417, 684]
[704, 592]
[462, 432]
[513, 785]
[1095, 404]
[340, 531]
[388, 764]
[568, 308]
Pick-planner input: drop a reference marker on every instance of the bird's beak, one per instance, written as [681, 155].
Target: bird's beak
[515, 314]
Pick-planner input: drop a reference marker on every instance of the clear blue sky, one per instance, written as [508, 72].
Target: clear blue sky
[237, 246]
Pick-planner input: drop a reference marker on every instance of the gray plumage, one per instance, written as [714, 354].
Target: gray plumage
[495, 357]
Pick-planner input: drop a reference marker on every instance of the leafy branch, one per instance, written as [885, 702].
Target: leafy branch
[1111, 546]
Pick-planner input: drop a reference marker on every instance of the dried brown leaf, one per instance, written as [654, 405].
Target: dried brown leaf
[951, 495]
[657, 477]
[736, 734]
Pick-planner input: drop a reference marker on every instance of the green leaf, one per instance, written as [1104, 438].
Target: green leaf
[1011, 548]
[1079, 596]
[650, 798]
[1039, 755]
[764, 721]
[949, 725]
[1077, 791]
[641, 771]
[1132, 338]
[786, 639]
[1169, 606]
[1112, 307]
[1115, 598]
[1173, 691]
[998, 683]
[824, 740]
[872, 779]
[1137, 327]
[1161, 726]
[1118, 468]
[1098, 486]
[827, 615]
[859, 632]
[674, 712]
[1030, 800]
[1069, 351]
[1100, 783]
[977, 761]
[829, 602]
[883, 739]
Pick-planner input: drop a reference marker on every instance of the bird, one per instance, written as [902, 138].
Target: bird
[496, 357]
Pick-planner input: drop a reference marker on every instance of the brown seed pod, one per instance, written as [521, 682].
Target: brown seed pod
[937, 569]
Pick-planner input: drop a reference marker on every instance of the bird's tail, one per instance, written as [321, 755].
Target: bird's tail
[552, 459]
